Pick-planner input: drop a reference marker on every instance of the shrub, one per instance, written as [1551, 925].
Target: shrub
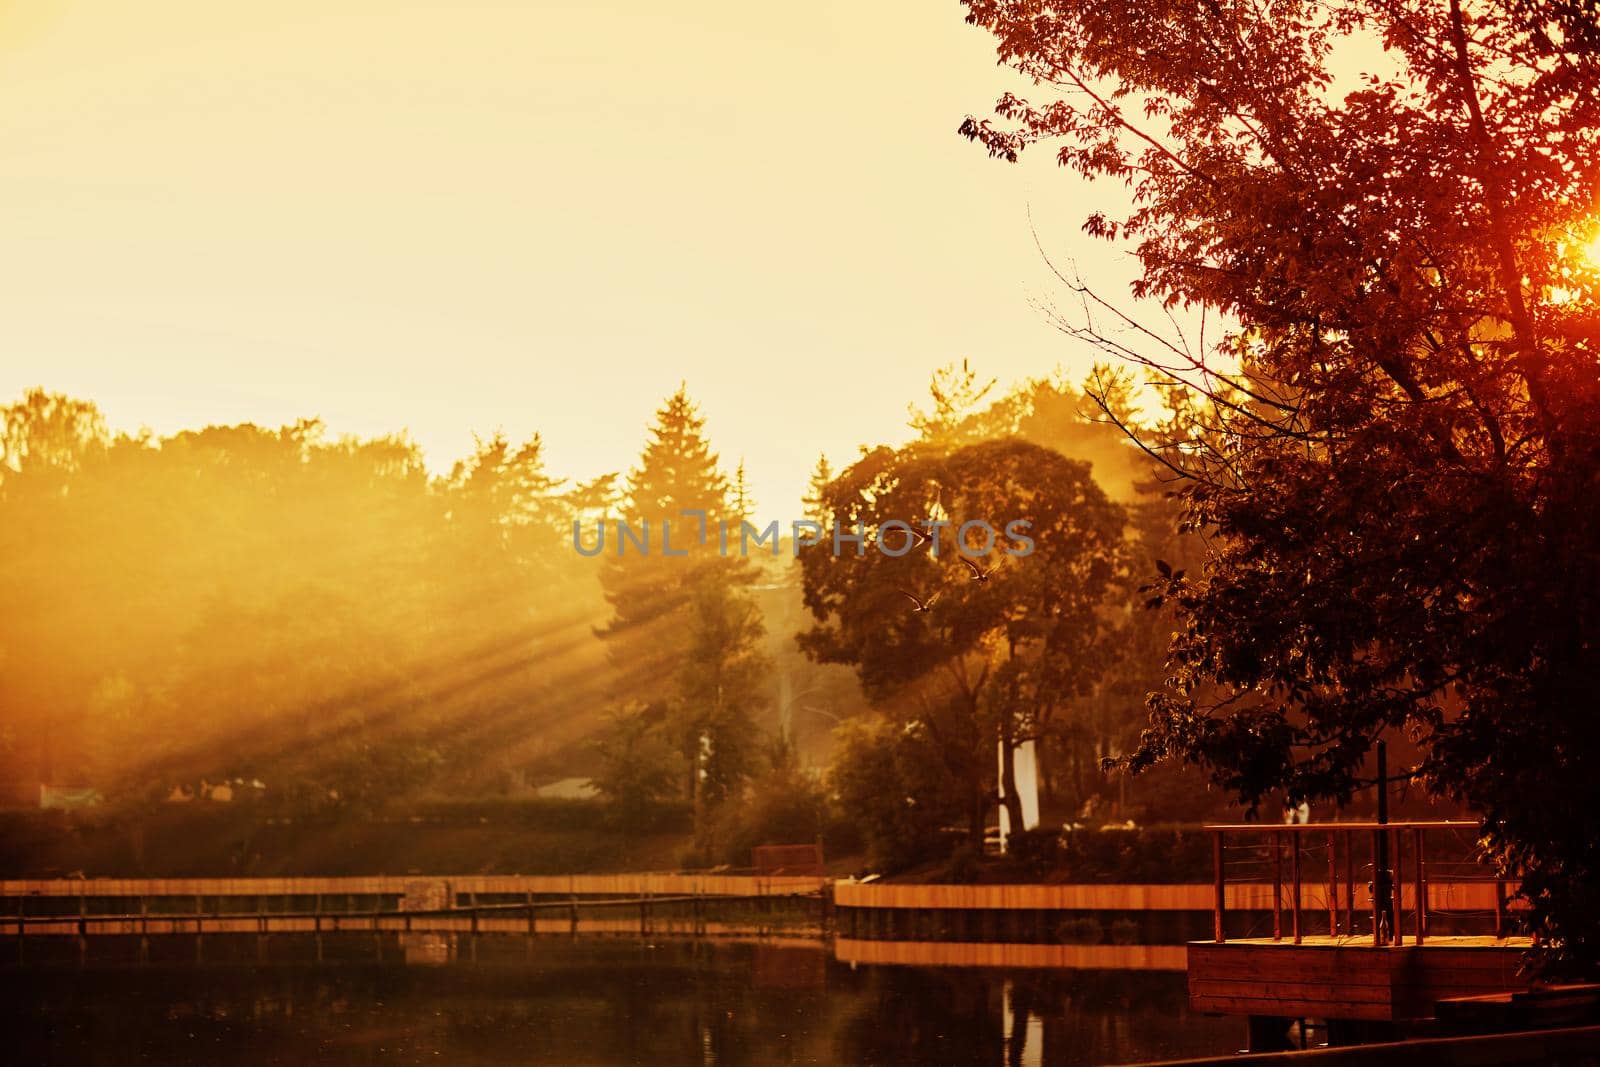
[784, 807]
[888, 780]
[965, 864]
[1142, 855]
[1035, 853]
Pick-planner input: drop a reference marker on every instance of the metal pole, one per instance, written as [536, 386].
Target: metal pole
[1382, 891]
[1383, 782]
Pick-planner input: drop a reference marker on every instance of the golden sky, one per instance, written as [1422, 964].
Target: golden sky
[462, 216]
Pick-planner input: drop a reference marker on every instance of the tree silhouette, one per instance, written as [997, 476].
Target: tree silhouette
[685, 635]
[1391, 438]
[975, 648]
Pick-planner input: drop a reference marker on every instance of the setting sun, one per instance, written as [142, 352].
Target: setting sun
[1589, 251]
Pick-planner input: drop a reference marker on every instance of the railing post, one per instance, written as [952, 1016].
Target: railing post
[1380, 888]
[1221, 903]
[1422, 886]
[1333, 884]
[1277, 885]
[1294, 864]
[1349, 884]
[1395, 936]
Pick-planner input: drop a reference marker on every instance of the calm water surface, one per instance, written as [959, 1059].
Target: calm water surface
[591, 1001]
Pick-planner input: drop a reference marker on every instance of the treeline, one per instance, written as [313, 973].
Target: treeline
[240, 605]
[321, 623]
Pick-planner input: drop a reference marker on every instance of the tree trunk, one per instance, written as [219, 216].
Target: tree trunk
[1008, 777]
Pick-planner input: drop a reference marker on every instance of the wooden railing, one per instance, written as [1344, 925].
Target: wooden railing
[1367, 862]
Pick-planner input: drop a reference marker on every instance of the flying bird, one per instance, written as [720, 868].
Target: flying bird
[978, 573]
[921, 605]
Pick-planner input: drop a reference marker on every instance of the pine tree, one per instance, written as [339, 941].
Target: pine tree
[817, 489]
[645, 587]
[685, 633]
[743, 503]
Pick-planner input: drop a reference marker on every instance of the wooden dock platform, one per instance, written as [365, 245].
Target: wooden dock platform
[1374, 947]
[1348, 977]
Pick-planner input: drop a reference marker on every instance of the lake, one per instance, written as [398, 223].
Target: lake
[501, 999]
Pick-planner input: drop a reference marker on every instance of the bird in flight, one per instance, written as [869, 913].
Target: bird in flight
[921, 605]
[978, 573]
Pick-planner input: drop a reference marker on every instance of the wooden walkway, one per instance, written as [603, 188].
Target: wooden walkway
[582, 885]
[472, 904]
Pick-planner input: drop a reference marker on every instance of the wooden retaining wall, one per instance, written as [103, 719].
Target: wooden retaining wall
[1241, 896]
[982, 954]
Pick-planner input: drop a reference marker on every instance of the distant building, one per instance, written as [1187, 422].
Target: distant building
[568, 789]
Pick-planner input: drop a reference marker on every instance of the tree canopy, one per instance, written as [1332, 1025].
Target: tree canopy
[1389, 433]
[977, 638]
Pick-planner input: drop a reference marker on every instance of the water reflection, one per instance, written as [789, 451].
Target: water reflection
[546, 1000]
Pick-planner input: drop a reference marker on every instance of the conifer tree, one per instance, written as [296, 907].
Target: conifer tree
[817, 489]
[685, 633]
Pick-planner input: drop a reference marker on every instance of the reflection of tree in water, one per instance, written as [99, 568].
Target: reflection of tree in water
[952, 1016]
[914, 1016]
[552, 1001]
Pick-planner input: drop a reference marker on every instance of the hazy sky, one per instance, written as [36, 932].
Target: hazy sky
[462, 216]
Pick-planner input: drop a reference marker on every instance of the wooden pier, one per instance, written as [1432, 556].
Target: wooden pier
[469, 904]
[1358, 929]
[1348, 977]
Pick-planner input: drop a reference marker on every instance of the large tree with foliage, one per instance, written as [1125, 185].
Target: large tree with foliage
[970, 642]
[1393, 435]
